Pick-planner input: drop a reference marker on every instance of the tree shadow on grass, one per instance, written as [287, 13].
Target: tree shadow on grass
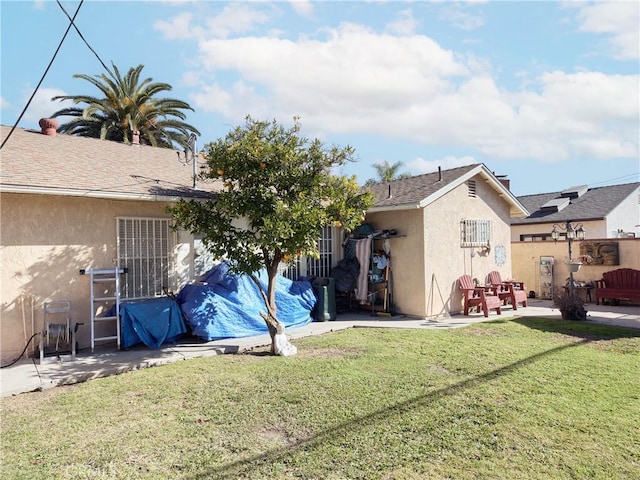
[584, 330]
[244, 468]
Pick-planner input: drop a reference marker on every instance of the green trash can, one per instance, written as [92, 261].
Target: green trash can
[325, 290]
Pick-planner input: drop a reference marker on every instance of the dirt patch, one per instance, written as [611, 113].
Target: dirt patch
[307, 352]
[482, 331]
[438, 370]
[327, 352]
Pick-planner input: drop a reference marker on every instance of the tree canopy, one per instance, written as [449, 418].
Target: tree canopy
[279, 191]
[387, 172]
[127, 104]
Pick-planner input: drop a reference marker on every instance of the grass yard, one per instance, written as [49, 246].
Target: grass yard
[519, 399]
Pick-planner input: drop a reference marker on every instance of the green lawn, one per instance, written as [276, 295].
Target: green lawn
[525, 399]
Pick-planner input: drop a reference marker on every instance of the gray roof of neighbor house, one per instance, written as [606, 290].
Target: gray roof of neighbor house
[421, 190]
[591, 204]
[31, 162]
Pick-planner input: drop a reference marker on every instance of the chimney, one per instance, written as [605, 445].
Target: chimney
[504, 181]
[135, 137]
[49, 126]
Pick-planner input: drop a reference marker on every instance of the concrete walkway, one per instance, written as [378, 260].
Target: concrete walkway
[28, 375]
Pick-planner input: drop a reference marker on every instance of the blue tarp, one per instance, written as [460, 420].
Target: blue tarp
[227, 305]
[152, 321]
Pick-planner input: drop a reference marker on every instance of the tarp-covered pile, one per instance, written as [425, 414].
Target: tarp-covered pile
[153, 321]
[225, 305]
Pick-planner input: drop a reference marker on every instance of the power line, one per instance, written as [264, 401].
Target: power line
[84, 40]
[43, 75]
[631, 176]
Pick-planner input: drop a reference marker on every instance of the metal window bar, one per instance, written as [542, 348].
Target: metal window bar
[321, 267]
[316, 267]
[475, 233]
[143, 249]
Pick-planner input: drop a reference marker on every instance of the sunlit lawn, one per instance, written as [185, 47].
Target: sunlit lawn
[526, 399]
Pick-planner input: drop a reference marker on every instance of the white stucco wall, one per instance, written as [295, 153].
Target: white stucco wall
[45, 242]
[625, 217]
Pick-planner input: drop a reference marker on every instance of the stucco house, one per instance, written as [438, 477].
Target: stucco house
[448, 223]
[69, 203]
[609, 215]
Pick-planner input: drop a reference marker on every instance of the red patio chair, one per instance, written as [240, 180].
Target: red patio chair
[509, 292]
[478, 297]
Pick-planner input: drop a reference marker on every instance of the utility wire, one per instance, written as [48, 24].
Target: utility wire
[631, 176]
[43, 75]
[83, 39]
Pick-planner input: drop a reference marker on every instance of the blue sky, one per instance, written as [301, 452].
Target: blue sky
[546, 93]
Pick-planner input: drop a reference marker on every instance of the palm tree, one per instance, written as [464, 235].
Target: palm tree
[387, 173]
[128, 105]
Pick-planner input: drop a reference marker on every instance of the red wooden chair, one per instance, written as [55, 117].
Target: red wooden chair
[509, 292]
[478, 297]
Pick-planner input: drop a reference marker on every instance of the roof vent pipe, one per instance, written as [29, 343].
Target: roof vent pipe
[49, 126]
[389, 196]
[439, 174]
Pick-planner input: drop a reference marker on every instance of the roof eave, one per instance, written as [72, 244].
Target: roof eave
[149, 197]
[390, 208]
[517, 209]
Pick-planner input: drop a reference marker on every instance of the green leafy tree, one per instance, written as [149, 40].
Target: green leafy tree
[127, 104]
[387, 172]
[278, 192]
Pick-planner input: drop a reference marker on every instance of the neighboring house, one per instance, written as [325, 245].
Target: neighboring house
[610, 217]
[450, 223]
[69, 203]
[605, 212]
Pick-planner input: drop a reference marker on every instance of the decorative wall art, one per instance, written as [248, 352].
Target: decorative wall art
[601, 253]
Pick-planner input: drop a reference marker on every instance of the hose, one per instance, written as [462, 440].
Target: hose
[20, 356]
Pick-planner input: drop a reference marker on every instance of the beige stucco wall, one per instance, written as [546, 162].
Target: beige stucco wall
[429, 260]
[526, 261]
[407, 256]
[46, 240]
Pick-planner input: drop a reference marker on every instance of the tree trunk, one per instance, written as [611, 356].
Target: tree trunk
[279, 343]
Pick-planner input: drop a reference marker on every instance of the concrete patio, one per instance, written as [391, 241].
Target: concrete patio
[28, 375]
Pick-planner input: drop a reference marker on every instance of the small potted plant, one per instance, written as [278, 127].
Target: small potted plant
[571, 307]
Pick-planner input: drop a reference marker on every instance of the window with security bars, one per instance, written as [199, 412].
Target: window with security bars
[316, 267]
[475, 233]
[143, 249]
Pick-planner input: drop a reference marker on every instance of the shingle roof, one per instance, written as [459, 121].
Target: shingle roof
[420, 190]
[595, 204]
[70, 165]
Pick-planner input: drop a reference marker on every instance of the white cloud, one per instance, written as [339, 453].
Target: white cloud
[461, 16]
[234, 18]
[421, 165]
[404, 24]
[302, 7]
[42, 107]
[179, 27]
[620, 20]
[357, 81]
[4, 103]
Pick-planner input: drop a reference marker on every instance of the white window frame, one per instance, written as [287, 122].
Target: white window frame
[144, 250]
[475, 233]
